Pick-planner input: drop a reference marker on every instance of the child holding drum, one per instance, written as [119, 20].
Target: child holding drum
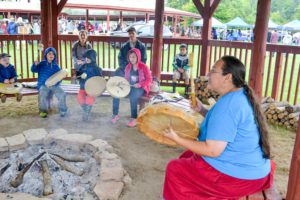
[139, 77]
[8, 76]
[86, 71]
[45, 70]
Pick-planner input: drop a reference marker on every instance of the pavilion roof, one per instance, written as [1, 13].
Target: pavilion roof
[140, 6]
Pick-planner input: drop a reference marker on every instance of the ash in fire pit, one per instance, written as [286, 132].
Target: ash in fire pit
[61, 168]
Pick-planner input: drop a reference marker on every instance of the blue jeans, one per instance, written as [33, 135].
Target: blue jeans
[44, 93]
[134, 96]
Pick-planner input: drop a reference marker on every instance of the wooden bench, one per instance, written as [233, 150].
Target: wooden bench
[67, 87]
[167, 79]
[269, 194]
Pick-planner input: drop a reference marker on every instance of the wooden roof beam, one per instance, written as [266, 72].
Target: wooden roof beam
[199, 6]
[213, 7]
[61, 5]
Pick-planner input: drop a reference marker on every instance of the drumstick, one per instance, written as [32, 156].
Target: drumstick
[40, 49]
[193, 96]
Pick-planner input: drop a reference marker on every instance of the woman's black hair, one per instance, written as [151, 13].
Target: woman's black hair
[233, 66]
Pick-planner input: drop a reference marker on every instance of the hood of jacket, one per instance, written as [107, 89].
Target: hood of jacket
[54, 52]
[90, 54]
[137, 53]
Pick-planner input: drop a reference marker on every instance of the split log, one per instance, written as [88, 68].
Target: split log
[265, 106]
[294, 115]
[267, 100]
[71, 158]
[18, 180]
[292, 109]
[47, 178]
[66, 166]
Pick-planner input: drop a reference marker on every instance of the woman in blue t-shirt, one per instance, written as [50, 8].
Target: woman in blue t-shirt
[231, 158]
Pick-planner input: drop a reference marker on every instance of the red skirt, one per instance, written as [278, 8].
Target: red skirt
[191, 178]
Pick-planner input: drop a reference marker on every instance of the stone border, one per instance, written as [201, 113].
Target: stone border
[112, 176]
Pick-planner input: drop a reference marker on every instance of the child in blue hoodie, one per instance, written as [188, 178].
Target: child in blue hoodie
[86, 71]
[45, 69]
[8, 74]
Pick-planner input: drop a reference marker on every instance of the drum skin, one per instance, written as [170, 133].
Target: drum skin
[118, 87]
[55, 78]
[95, 86]
[154, 119]
[13, 88]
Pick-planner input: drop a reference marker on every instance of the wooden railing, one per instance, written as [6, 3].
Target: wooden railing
[282, 67]
[281, 74]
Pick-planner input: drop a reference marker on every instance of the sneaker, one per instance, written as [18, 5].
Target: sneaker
[43, 114]
[63, 114]
[132, 123]
[19, 97]
[3, 98]
[115, 118]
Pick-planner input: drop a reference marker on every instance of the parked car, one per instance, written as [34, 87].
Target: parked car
[143, 30]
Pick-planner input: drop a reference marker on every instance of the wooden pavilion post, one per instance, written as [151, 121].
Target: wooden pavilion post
[107, 22]
[45, 23]
[157, 40]
[54, 31]
[206, 12]
[175, 26]
[49, 13]
[121, 18]
[147, 17]
[293, 191]
[259, 46]
[87, 20]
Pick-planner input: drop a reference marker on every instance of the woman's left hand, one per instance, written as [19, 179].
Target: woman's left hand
[171, 134]
[136, 85]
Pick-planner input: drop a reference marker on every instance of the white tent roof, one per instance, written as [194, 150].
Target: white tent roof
[215, 23]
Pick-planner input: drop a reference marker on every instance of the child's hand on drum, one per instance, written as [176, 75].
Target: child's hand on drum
[12, 80]
[136, 85]
[6, 81]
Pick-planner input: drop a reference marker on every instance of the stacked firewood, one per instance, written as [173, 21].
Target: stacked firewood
[277, 113]
[202, 92]
[281, 113]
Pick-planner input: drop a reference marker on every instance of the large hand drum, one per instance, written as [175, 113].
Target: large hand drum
[118, 87]
[154, 119]
[55, 78]
[95, 86]
[13, 88]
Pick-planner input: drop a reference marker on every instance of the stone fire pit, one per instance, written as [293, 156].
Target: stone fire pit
[57, 165]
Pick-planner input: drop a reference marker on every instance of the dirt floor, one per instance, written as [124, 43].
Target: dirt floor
[144, 160]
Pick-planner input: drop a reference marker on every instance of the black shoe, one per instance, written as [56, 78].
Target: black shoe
[174, 87]
[19, 97]
[3, 98]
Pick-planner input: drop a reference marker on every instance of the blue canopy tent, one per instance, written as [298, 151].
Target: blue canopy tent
[238, 23]
[292, 26]
[215, 23]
